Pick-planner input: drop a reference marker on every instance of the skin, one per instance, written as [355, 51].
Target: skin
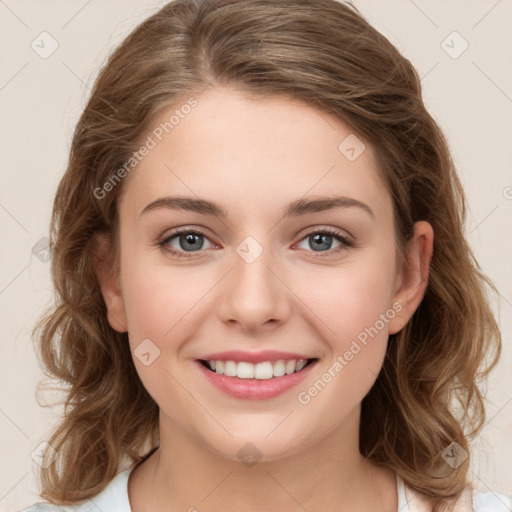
[253, 157]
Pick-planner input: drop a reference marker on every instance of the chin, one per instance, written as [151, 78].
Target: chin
[251, 448]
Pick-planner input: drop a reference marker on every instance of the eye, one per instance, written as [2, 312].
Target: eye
[322, 241]
[183, 241]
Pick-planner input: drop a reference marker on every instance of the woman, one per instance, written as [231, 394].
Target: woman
[266, 301]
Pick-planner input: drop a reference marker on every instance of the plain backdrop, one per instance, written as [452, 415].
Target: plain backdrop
[462, 51]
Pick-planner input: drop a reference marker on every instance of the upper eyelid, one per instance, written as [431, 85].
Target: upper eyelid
[181, 231]
[167, 238]
[315, 229]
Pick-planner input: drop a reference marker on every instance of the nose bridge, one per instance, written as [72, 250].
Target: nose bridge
[253, 294]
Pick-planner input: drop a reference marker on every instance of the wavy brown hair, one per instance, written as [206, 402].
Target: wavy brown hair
[325, 54]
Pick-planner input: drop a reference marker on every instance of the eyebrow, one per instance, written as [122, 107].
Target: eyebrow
[293, 209]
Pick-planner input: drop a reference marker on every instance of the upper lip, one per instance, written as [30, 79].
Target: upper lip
[253, 357]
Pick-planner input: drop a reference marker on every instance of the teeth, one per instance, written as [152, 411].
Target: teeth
[245, 370]
[279, 368]
[290, 366]
[230, 369]
[262, 371]
[300, 365]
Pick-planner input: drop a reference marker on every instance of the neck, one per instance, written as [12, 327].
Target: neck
[184, 475]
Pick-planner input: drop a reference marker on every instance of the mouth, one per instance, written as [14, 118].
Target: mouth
[260, 380]
[255, 375]
[264, 370]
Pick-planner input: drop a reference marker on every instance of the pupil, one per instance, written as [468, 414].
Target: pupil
[321, 238]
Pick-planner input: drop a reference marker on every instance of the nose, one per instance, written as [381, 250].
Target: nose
[254, 296]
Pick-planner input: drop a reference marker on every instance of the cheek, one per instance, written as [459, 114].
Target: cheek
[161, 315]
[159, 301]
[352, 307]
[356, 346]
[352, 299]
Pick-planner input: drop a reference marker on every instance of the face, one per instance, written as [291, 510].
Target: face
[243, 270]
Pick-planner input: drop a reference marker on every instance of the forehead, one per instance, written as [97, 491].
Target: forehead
[253, 153]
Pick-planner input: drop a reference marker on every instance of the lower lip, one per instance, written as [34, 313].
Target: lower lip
[255, 389]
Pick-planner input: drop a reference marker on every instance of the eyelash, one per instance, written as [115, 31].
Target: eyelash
[345, 241]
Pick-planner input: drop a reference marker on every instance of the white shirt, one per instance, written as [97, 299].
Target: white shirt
[114, 498]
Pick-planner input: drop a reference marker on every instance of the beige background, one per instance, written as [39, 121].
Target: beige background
[41, 99]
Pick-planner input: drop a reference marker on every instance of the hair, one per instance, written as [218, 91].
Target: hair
[325, 54]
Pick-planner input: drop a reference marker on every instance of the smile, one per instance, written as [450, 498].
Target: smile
[255, 381]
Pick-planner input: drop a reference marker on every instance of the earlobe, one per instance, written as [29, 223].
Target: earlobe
[108, 278]
[413, 275]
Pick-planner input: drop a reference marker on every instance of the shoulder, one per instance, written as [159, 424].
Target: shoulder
[492, 502]
[114, 498]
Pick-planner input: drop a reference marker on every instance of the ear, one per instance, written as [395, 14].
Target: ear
[107, 273]
[412, 277]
